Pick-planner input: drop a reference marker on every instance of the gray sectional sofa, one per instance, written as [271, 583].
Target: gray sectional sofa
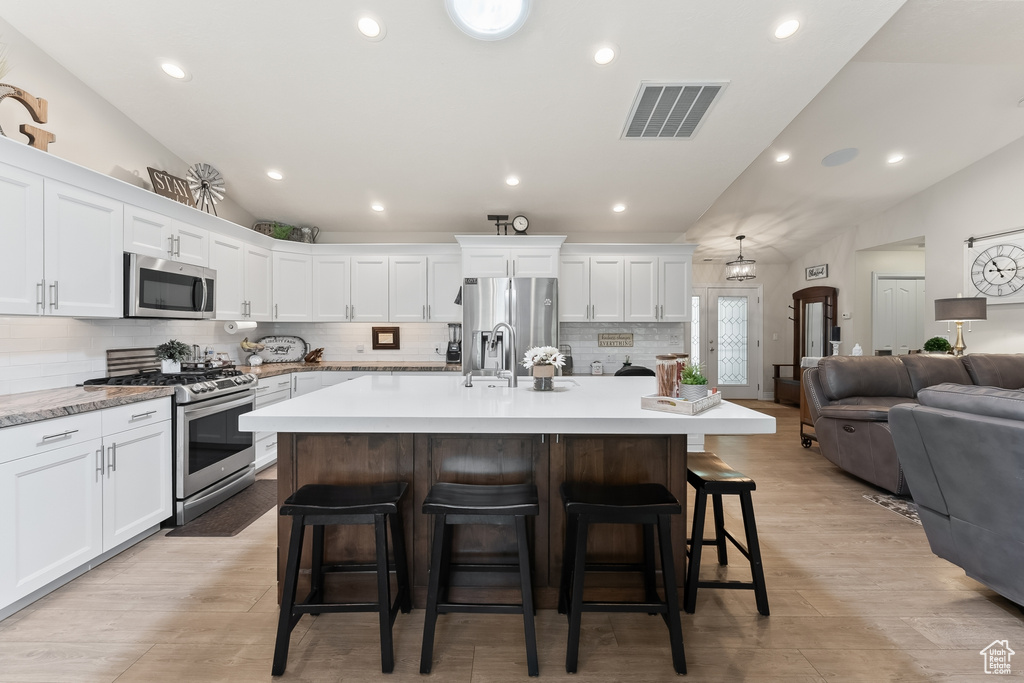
[849, 399]
[962, 452]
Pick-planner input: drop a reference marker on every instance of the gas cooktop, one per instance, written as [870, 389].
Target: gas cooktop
[188, 386]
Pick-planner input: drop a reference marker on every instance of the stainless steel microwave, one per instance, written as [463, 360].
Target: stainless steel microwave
[159, 288]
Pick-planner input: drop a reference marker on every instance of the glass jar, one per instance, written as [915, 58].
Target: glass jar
[667, 374]
[681, 360]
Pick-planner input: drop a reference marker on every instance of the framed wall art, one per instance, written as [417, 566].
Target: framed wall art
[386, 338]
[816, 272]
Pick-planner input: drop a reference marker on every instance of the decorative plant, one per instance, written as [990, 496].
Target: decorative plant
[626, 362]
[281, 231]
[174, 350]
[939, 344]
[691, 374]
[543, 355]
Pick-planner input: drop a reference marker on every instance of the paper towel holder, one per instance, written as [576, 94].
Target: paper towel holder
[233, 326]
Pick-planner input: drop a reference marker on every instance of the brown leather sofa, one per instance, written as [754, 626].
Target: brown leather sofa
[849, 398]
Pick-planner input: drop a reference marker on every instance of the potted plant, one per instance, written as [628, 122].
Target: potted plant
[693, 384]
[542, 361]
[937, 345]
[171, 353]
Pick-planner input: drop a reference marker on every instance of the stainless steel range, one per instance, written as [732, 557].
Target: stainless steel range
[213, 459]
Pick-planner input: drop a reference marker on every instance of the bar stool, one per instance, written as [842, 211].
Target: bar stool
[318, 505]
[710, 476]
[647, 504]
[506, 504]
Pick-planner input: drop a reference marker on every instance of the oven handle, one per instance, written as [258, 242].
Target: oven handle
[217, 405]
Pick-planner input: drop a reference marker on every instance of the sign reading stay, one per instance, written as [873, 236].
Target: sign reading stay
[615, 339]
[166, 185]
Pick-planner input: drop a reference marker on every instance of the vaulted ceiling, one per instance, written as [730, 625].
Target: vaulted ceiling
[429, 122]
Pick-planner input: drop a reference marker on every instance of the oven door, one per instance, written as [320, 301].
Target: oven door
[210, 445]
[158, 288]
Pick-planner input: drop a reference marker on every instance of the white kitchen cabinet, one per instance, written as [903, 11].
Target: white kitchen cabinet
[152, 234]
[641, 289]
[444, 279]
[657, 289]
[369, 289]
[137, 482]
[350, 288]
[331, 273]
[590, 289]
[306, 383]
[259, 283]
[244, 287]
[269, 390]
[674, 286]
[293, 287]
[510, 262]
[407, 289]
[21, 259]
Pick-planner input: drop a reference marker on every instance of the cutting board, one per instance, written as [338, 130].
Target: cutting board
[282, 349]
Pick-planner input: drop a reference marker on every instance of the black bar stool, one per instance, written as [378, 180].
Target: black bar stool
[710, 476]
[452, 504]
[318, 505]
[647, 504]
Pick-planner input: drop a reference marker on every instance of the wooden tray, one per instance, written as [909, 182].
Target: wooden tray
[668, 404]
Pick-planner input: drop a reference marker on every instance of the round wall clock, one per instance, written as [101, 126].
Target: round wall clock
[207, 186]
[999, 270]
[520, 225]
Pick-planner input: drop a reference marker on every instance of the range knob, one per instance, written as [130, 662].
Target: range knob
[198, 388]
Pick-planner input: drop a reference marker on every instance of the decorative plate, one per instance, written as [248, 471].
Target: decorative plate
[282, 349]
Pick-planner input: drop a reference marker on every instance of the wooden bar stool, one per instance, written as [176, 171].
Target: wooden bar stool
[651, 505]
[710, 476]
[451, 504]
[318, 505]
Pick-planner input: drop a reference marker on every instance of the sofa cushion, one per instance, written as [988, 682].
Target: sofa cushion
[990, 401]
[927, 369]
[1004, 370]
[859, 376]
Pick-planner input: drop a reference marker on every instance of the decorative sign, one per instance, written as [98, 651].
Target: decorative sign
[615, 339]
[816, 272]
[385, 338]
[166, 185]
[37, 109]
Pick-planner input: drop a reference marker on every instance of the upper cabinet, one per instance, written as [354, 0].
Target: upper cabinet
[293, 287]
[259, 283]
[657, 288]
[21, 260]
[244, 279]
[590, 288]
[407, 289]
[350, 288]
[510, 256]
[153, 234]
[444, 282]
[369, 292]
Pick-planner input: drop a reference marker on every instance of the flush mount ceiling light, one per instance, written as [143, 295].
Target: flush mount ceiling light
[604, 55]
[377, 206]
[175, 71]
[782, 157]
[275, 175]
[787, 29]
[512, 181]
[894, 158]
[741, 269]
[619, 208]
[488, 19]
[371, 28]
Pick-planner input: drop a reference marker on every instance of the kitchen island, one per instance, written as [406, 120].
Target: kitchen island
[426, 429]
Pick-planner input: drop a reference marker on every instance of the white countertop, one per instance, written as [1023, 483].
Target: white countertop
[441, 404]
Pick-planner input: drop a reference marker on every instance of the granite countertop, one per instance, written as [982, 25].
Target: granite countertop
[17, 409]
[274, 369]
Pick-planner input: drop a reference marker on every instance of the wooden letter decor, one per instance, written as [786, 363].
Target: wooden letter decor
[37, 106]
[166, 185]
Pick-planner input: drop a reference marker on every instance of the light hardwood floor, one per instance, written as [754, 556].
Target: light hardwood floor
[856, 595]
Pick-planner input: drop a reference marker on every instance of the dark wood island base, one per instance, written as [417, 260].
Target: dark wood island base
[545, 460]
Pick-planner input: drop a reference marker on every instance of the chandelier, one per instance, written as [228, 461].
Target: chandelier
[741, 269]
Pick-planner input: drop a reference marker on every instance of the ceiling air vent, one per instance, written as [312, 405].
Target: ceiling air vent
[670, 110]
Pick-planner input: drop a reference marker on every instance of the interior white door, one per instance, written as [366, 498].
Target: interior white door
[897, 314]
[732, 348]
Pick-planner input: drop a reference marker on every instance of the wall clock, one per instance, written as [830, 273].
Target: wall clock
[994, 268]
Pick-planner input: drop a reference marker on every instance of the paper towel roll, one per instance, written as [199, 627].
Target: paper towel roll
[233, 326]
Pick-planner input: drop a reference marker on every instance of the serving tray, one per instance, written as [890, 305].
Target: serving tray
[667, 404]
[282, 349]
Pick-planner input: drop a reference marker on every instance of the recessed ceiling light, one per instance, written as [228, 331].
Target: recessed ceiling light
[619, 208]
[490, 20]
[275, 175]
[371, 28]
[512, 181]
[604, 55]
[377, 206]
[782, 157]
[786, 29]
[174, 71]
[894, 158]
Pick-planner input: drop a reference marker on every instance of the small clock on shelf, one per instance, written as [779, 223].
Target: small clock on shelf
[520, 225]
[994, 268]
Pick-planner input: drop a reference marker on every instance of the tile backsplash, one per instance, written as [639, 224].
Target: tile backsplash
[49, 353]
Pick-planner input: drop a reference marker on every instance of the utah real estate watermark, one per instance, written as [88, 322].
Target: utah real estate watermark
[997, 656]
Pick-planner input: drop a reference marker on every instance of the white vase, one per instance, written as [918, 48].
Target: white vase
[168, 366]
[692, 392]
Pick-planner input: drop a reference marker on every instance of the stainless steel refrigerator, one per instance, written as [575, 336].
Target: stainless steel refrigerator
[528, 305]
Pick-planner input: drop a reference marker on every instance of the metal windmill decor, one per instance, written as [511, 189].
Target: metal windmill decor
[207, 186]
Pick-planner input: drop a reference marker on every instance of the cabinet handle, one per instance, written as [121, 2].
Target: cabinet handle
[99, 463]
[139, 416]
[662, 311]
[112, 464]
[41, 294]
[428, 312]
[424, 313]
[655, 311]
[262, 388]
[270, 445]
[353, 312]
[170, 247]
[59, 436]
[177, 246]
[346, 311]
[54, 292]
[275, 311]
[284, 384]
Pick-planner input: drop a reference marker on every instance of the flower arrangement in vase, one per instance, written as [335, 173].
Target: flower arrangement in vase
[542, 361]
[693, 385]
[171, 353]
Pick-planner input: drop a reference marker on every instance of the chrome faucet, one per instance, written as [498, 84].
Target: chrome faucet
[511, 351]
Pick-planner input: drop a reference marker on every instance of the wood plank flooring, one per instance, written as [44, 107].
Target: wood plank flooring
[856, 595]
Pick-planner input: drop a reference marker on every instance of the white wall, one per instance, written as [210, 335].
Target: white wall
[90, 131]
[983, 198]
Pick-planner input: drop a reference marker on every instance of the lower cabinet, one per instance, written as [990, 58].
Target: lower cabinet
[137, 482]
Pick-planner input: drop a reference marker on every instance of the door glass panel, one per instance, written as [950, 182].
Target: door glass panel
[695, 343]
[216, 437]
[732, 340]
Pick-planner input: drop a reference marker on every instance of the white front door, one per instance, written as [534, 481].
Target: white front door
[726, 338]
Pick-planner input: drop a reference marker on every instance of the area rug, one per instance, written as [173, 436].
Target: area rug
[901, 506]
[234, 514]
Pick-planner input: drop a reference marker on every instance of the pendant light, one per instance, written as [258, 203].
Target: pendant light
[741, 269]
